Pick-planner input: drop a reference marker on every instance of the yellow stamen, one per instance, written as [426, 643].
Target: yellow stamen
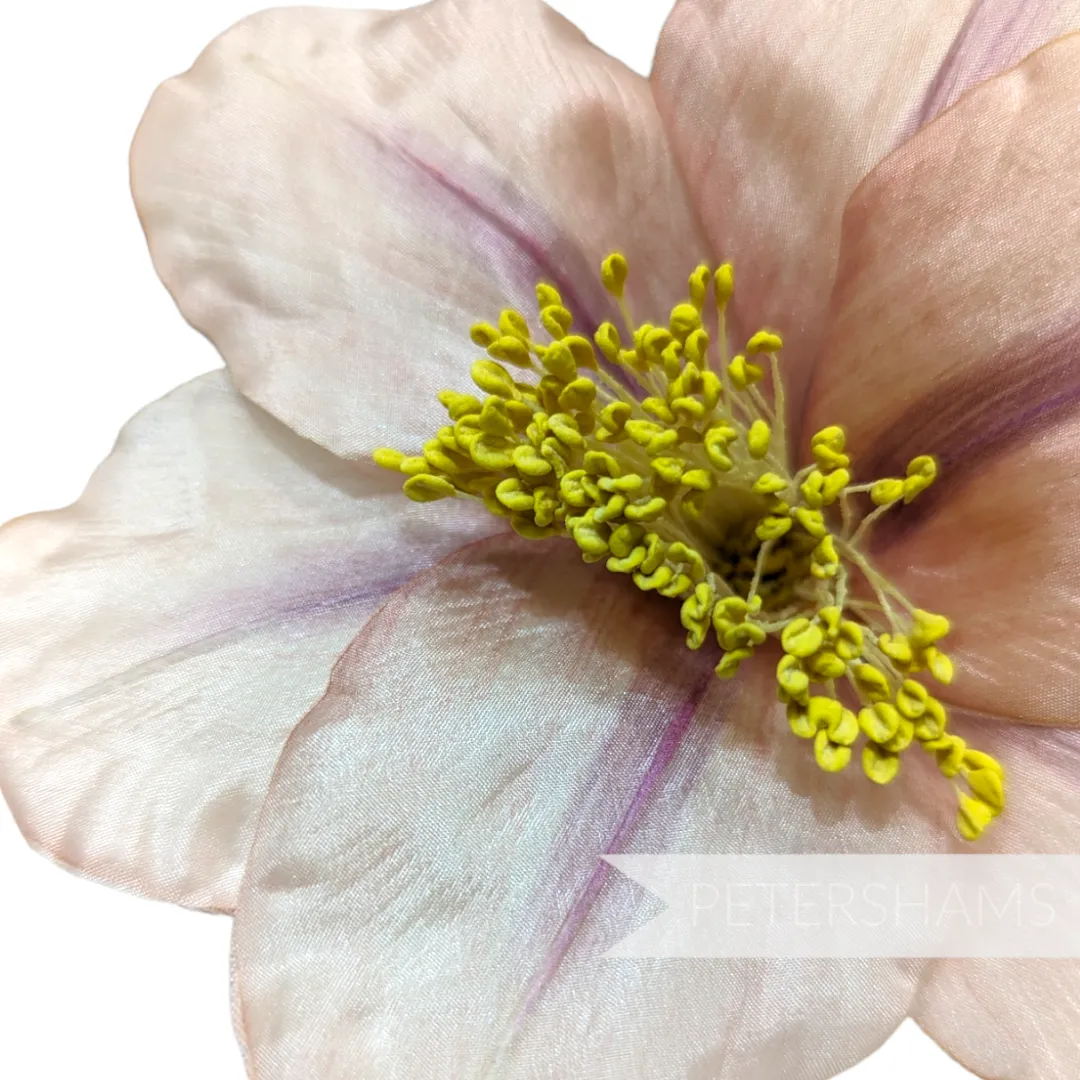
[687, 490]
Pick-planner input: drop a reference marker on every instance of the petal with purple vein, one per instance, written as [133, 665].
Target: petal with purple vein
[777, 111]
[426, 896]
[161, 637]
[334, 197]
[954, 331]
[995, 35]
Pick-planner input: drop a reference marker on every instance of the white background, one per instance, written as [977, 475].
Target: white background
[94, 983]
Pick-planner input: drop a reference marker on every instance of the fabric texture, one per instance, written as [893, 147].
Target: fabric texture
[161, 637]
[777, 111]
[333, 198]
[976, 323]
[426, 896]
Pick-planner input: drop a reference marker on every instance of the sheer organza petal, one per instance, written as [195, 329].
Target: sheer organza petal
[426, 898]
[778, 110]
[1017, 1019]
[160, 637]
[335, 197]
[954, 331]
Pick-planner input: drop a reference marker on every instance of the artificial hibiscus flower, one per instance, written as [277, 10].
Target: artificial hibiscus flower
[335, 199]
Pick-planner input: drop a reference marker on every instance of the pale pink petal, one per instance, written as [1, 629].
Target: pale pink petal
[777, 111]
[995, 35]
[1006, 1019]
[335, 197]
[1015, 1019]
[160, 638]
[954, 332]
[426, 896]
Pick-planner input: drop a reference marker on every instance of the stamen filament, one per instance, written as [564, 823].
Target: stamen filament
[779, 406]
[866, 523]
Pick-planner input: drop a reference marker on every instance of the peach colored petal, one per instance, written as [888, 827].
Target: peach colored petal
[426, 897]
[1015, 1019]
[778, 110]
[1005, 1019]
[998, 552]
[161, 637]
[954, 331]
[335, 197]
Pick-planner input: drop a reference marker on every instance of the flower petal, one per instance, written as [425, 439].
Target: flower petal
[954, 332]
[995, 35]
[1015, 1018]
[335, 197]
[426, 895]
[160, 638]
[778, 110]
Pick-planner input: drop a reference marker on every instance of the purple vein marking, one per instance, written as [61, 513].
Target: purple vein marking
[543, 257]
[978, 412]
[666, 748]
[995, 35]
[501, 225]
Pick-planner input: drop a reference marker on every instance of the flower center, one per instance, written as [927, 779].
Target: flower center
[685, 486]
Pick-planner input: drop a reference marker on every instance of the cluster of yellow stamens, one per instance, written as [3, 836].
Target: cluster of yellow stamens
[685, 486]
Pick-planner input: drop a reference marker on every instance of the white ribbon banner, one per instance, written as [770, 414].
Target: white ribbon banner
[857, 905]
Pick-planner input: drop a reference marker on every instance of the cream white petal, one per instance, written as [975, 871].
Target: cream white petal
[160, 637]
[426, 896]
